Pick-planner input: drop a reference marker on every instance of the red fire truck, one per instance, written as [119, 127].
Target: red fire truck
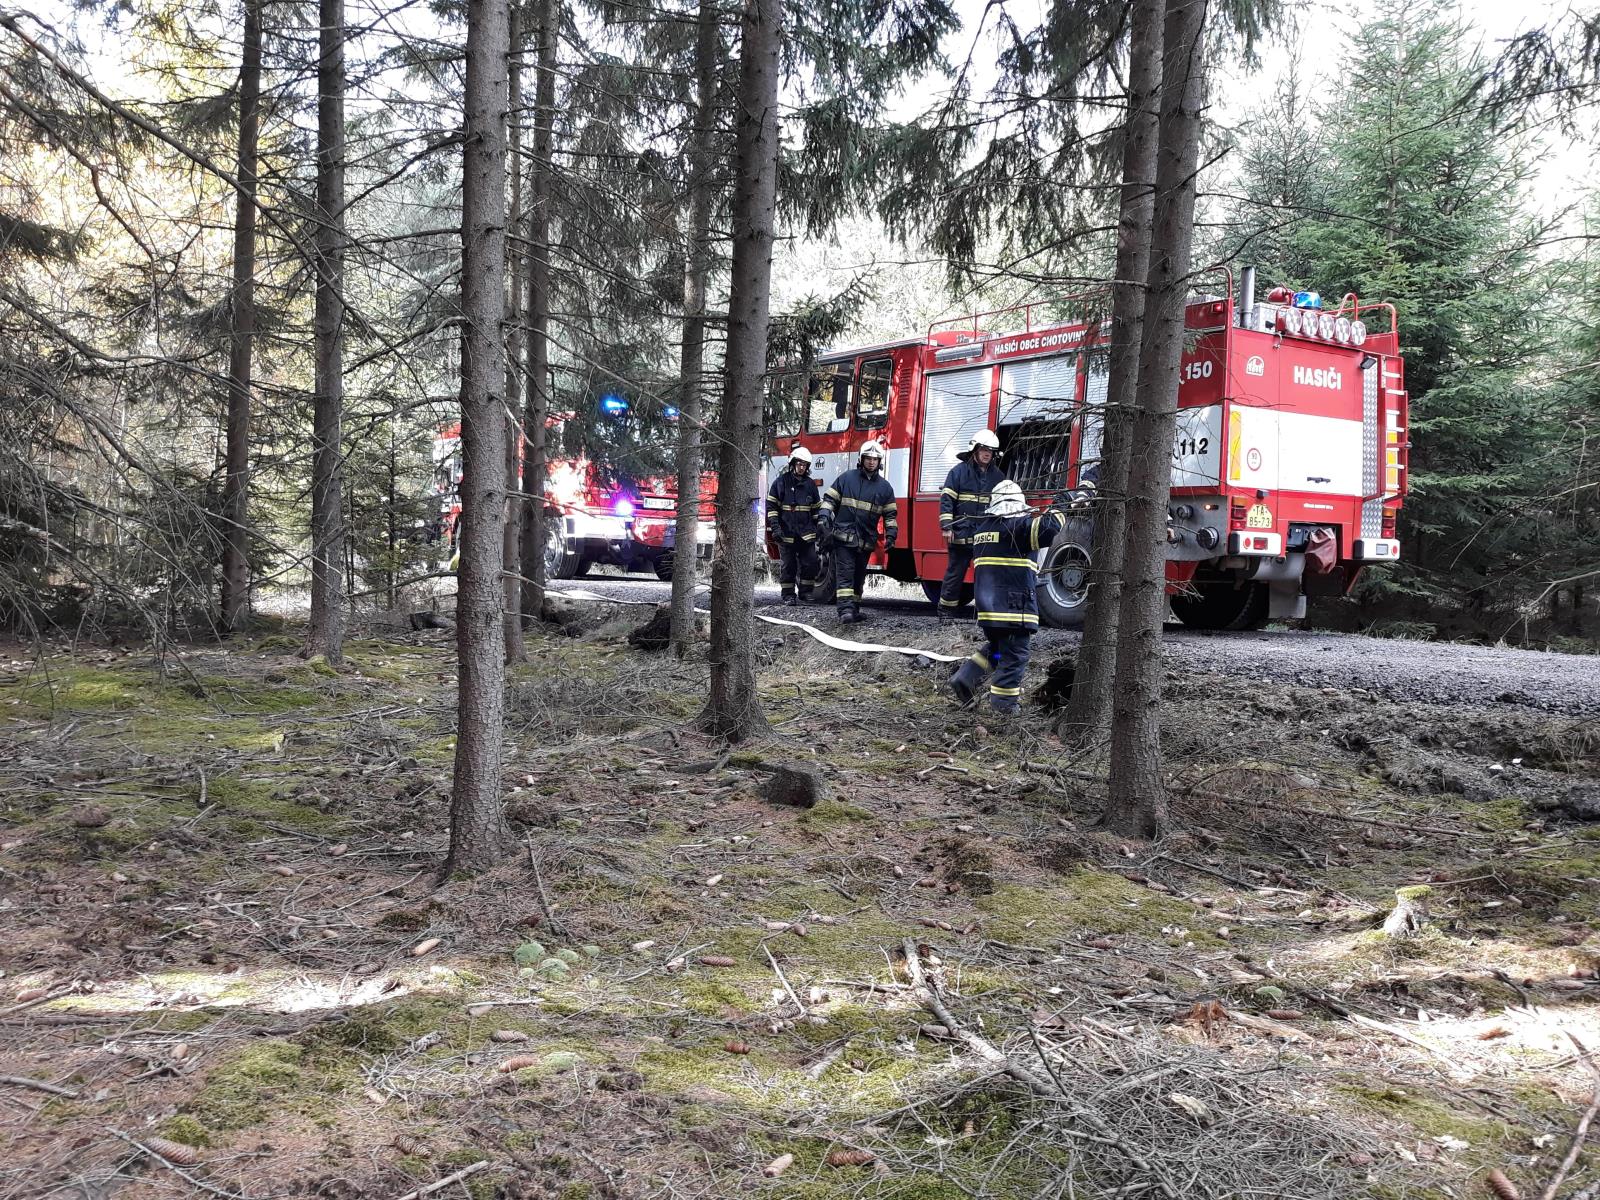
[1288, 466]
[591, 516]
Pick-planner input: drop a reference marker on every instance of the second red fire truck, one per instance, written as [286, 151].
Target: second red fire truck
[1289, 464]
[593, 516]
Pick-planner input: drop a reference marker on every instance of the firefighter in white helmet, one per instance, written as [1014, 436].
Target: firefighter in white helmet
[962, 503]
[793, 501]
[851, 511]
[1008, 612]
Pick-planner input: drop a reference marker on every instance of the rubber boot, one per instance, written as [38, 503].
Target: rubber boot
[789, 598]
[963, 684]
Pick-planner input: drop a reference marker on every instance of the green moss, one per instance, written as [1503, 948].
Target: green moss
[185, 1129]
[1087, 901]
[711, 997]
[577, 1190]
[1429, 1115]
[831, 814]
[241, 1091]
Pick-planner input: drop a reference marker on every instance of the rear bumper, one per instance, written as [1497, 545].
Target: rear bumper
[1376, 550]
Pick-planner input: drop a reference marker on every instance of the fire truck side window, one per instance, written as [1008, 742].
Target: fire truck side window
[828, 397]
[872, 393]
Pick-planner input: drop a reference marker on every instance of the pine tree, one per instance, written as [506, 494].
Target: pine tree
[479, 835]
[1421, 202]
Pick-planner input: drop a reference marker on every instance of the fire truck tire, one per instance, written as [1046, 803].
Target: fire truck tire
[561, 561]
[1063, 588]
[1223, 604]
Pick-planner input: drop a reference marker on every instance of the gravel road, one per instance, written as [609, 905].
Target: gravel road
[1432, 672]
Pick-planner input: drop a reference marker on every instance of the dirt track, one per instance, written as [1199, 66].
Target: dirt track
[1433, 672]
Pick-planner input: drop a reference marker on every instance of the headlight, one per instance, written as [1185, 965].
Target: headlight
[1358, 333]
[1325, 327]
[1341, 330]
[1291, 320]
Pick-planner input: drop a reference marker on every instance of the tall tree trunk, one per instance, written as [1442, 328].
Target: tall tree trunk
[733, 710]
[479, 836]
[536, 381]
[697, 268]
[325, 634]
[1137, 804]
[236, 486]
[511, 533]
[1089, 710]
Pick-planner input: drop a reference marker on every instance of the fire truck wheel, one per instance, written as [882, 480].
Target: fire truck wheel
[561, 561]
[1222, 604]
[1063, 589]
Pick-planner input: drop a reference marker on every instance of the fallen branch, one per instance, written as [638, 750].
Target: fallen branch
[1582, 1131]
[544, 897]
[1255, 805]
[441, 1184]
[24, 1082]
[987, 1051]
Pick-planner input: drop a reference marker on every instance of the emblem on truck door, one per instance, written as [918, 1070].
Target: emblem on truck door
[1255, 366]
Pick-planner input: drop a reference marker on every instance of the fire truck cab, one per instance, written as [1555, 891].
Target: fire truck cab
[1289, 461]
[592, 517]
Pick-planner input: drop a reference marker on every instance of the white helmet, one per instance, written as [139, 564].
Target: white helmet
[800, 453]
[984, 438]
[872, 447]
[1007, 500]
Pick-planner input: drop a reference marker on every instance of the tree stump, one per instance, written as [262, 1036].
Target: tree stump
[1410, 913]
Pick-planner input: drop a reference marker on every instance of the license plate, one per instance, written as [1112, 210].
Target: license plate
[1259, 517]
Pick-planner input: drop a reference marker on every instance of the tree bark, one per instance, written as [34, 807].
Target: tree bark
[1088, 712]
[236, 485]
[325, 633]
[479, 835]
[733, 710]
[511, 532]
[1137, 803]
[697, 268]
[536, 380]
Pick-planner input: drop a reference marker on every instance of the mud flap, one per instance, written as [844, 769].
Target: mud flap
[1285, 600]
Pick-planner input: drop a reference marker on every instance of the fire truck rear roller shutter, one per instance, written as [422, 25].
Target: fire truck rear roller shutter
[958, 406]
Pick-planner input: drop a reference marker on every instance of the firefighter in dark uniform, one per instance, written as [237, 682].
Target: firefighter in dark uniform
[962, 503]
[1008, 612]
[851, 510]
[792, 504]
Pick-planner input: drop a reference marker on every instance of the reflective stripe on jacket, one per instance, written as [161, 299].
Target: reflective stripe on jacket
[792, 505]
[965, 497]
[858, 503]
[1004, 571]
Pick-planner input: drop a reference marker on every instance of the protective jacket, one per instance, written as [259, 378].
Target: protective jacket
[965, 497]
[1004, 573]
[855, 504]
[792, 505]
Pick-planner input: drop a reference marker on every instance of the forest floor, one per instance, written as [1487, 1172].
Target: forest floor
[229, 968]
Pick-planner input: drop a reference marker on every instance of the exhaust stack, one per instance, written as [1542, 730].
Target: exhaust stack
[1247, 298]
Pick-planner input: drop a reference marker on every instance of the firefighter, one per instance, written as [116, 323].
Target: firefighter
[962, 504]
[850, 513]
[1008, 612]
[792, 504]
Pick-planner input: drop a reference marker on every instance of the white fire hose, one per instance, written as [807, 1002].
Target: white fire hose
[827, 639]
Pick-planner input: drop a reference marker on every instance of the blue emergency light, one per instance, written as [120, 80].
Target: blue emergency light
[1307, 300]
[613, 405]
